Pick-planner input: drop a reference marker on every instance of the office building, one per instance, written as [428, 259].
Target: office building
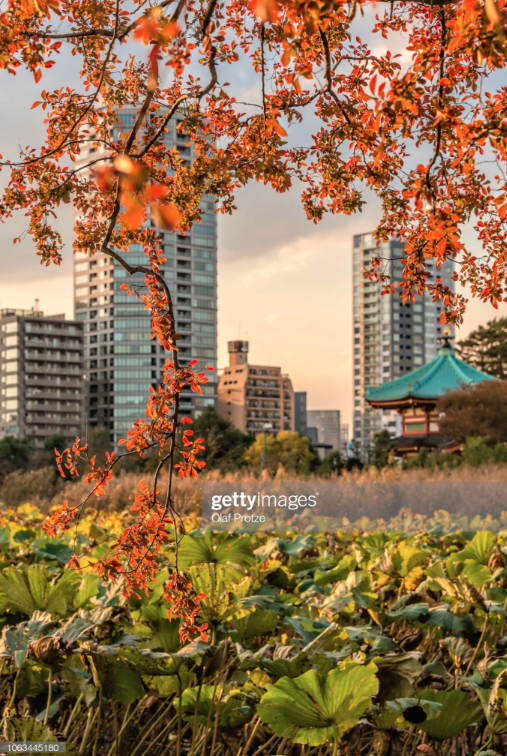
[255, 397]
[390, 339]
[41, 376]
[327, 423]
[122, 361]
[313, 434]
[300, 412]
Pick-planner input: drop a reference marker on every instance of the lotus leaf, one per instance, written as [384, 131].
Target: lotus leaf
[312, 709]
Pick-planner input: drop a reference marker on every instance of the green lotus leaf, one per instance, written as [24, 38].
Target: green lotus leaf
[52, 549]
[281, 667]
[15, 639]
[478, 574]
[397, 674]
[494, 704]
[223, 586]
[394, 709]
[232, 711]
[163, 687]
[256, 623]
[88, 589]
[215, 548]
[26, 729]
[296, 545]
[151, 663]
[479, 549]
[458, 712]
[115, 677]
[314, 709]
[28, 589]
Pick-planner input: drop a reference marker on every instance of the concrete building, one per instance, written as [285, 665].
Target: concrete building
[390, 339]
[122, 360]
[253, 396]
[41, 376]
[327, 423]
[300, 412]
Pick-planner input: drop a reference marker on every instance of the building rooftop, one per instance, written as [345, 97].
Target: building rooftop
[444, 373]
[8, 312]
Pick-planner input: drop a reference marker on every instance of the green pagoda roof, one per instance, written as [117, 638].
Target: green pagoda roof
[445, 373]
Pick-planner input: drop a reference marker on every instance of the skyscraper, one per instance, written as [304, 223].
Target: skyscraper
[41, 376]
[255, 397]
[121, 359]
[390, 338]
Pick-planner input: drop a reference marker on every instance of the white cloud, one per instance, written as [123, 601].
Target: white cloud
[294, 257]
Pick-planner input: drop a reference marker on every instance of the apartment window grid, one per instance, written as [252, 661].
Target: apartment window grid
[121, 358]
[390, 338]
[41, 376]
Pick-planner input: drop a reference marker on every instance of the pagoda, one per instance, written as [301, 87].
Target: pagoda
[415, 396]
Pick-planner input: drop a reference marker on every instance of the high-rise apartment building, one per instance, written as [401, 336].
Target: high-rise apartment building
[255, 397]
[41, 376]
[122, 360]
[390, 339]
[327, 423]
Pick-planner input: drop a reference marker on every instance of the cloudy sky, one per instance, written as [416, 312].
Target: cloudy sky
[284, 283]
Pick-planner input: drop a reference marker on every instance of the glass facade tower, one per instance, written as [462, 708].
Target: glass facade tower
[390, 339]
[121, 359]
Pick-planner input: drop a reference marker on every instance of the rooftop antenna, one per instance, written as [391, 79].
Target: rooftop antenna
[36, 306]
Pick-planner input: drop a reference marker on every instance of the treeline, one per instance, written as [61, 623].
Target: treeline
[28, 474]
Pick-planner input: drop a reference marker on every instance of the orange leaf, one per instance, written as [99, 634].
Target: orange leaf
[265, 10]
[165, 216]
[134, 216]
[492, 12]
[279, 129]
[155, 192]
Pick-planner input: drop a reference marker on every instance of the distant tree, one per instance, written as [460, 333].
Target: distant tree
[477, 410]
[289, 449]
[56, 441]
[99, 442]
[333, 463]
[382, 446]
[486, 348]
[478, 451]
[354, 463]
[225, 444]
[46, 456]
[422, 459]
[14, 453]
